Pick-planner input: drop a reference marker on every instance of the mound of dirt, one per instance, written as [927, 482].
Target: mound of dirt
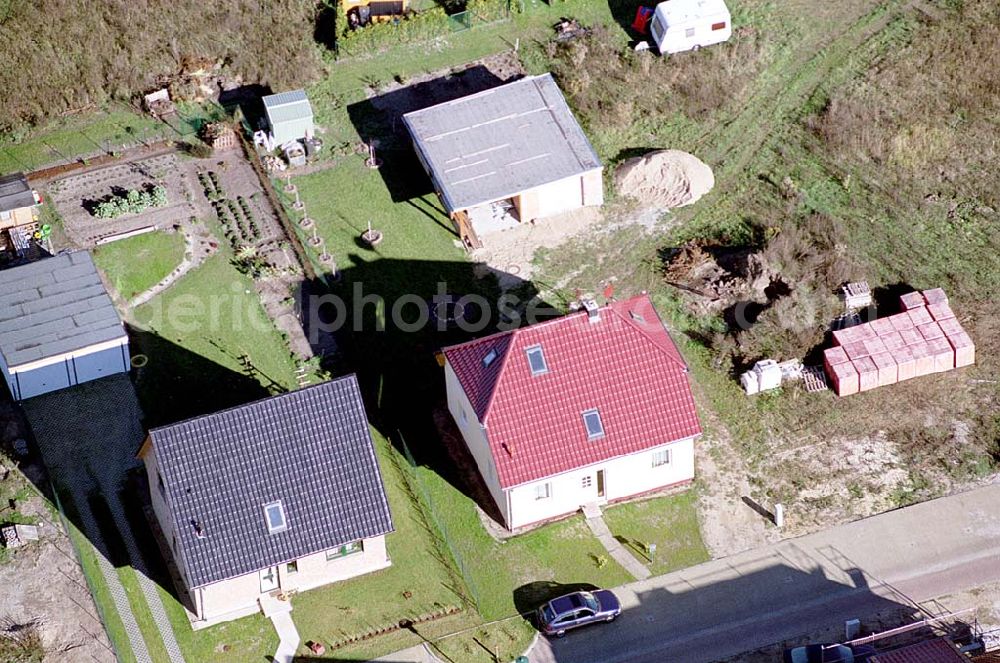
[665, 178]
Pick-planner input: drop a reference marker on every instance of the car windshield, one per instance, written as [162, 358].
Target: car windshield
[590, 601]
[548, 614]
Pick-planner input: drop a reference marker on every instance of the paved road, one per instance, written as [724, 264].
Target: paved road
[725, 607]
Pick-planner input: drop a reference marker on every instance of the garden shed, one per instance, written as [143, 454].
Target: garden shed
[508, 155]
[289, 116]
[58, 326]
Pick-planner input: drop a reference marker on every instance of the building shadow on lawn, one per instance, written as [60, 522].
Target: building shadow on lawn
[393, 346]
[88, 436]
[380, 119]
[175, 384]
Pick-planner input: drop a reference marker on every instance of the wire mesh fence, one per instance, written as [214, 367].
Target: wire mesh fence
[434, 510]
[101, 614]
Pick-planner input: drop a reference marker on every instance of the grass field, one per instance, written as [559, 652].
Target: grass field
[67, 139]
[844, 143]
[196, 334]
[135, 264]
[670, 523]
[421, 583]
[87, 556]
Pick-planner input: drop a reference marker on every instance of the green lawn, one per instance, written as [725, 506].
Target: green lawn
[419, 256]
[88, 556]
[135, 264]
[70, 137]
[420, 583]
[251, 638]
[143, 617]
[669, 522]
[194, 335]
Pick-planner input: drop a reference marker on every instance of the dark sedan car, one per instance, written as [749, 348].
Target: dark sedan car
[577, 609]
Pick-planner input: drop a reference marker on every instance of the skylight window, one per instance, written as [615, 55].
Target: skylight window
[274, 513]
[490, 357]
[536, 360]
[595, 428]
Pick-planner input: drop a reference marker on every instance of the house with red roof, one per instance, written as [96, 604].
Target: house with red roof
[592, 407]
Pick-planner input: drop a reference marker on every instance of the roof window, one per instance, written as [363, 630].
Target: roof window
[274, 513]
[536, 360]
[592, 420]
[490, 357]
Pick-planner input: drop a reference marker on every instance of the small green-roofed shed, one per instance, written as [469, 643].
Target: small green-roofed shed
[289, 116]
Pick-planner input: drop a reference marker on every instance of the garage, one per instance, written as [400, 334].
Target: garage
[509, 155]
[58, 326]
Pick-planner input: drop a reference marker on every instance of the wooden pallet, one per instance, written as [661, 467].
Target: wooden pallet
[814, 378]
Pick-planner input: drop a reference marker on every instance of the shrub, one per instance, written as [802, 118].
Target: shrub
[20, 643]
[198, 149]
[133, 201]
[412, 27]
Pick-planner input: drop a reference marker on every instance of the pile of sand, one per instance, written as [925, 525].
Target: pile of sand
[665, 179]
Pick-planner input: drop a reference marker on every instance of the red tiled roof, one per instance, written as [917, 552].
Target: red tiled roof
[626, 366]
[931, 651]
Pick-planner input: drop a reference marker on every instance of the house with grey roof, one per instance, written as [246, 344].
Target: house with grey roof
[58, 326]
[261, 501]
[508, 155]
[289, 116]
[18, 209]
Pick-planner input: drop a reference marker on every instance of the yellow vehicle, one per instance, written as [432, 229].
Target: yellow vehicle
[362, 12]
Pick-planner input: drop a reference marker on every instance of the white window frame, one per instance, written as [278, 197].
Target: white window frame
[274, 529]
[541, 354]
[543, 491]
[662, 457]
[292, 567]
[593, 435]
[587, 481]
[689, 33]
[346, 550]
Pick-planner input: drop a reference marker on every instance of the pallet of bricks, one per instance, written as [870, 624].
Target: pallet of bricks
[924, 338]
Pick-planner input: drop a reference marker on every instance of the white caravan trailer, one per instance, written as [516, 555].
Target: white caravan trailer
[683, 25]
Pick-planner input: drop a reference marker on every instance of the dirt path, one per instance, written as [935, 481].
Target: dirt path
[199, 245]
[728, 524]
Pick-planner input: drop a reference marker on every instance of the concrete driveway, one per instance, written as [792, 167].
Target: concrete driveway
[881, 565]
[88, 435]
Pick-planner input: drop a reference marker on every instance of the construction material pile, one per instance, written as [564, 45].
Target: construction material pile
[925, 338]
[664, 179]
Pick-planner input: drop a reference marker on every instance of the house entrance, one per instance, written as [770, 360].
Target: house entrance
[268, 579]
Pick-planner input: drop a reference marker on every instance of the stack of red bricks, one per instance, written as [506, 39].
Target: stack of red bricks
[925, 338]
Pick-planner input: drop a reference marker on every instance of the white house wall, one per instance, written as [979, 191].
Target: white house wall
[474, 435]
[237, 597]
[158, 499]
[623, 477]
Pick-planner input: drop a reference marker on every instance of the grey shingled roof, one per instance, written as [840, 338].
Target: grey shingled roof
[287, 106]
[53, 306]
[15, 192]
[311, 449]
[500, 142]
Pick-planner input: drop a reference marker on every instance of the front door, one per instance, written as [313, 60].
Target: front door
[268, 579]
[600, 483]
